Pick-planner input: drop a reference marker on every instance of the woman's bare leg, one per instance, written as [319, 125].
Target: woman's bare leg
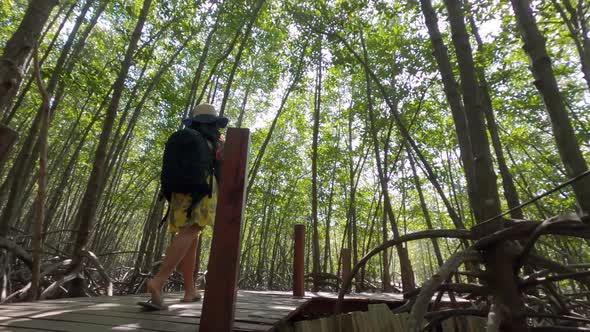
[176, 251]
[187, 269]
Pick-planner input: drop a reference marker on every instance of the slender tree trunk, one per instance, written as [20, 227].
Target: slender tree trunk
[507, 181]
[450, 87]
[386, 277]
[354, 170]
[405, 264]
[62, 6]
[222, 58]
[199, 253]
[314, 172]
[245, 263]
[455, 186]
[152, 240]
[308, 251]
[33, 149]
[368, 244]
[65, 177]
[59, 65]
[159, 250]
[148, 229]
[117, 149]
[350, 213]
[236, 64]
[87, 211]
[7, 138]
[424, 208]
[18, 48]
[567, 145]
[10, 110]
[543, 212]
[70, 6]
[275, 248]
[262, 236]
[199, 71]
[139, 83]
[42, 183]
[500, 258]
[68, 142]
[73, 57]
[18, 180]
[327, 264]
[244, 103]
[403, 130]
[576, 26]
[487, 199]
[256, 164]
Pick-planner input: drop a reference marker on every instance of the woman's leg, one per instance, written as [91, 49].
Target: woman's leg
[176, 251]
[187, 269]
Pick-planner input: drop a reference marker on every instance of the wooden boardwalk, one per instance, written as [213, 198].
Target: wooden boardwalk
[255, 311]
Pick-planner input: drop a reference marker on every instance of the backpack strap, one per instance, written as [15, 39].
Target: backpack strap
[165, 216]
[161, 197]
[196, 197]
[212, 168]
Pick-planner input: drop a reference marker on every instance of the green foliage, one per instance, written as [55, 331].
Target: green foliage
[398, 53]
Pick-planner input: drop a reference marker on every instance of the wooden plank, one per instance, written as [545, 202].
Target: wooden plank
[174, 301]
[298, 261]
[263, 296]
[255, 311]
[173, 298]
[222, 272]
[247, 305]
[276, 308]
[395, 297]
[182, 315]
[7, 139]
[93, 322]
[247, 296]
[246, 313]
[291, 314]
[22, 329]
[62, 321]
[49, 325]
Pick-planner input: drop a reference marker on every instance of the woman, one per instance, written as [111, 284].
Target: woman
[187, 225]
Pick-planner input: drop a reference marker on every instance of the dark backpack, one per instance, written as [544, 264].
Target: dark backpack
[188, 167]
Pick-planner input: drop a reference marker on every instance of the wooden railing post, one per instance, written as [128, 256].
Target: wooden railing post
[7, 138]
[222, 271]
[298, 261]
[345, 258]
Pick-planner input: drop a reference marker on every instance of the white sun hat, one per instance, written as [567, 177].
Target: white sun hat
[206, 113]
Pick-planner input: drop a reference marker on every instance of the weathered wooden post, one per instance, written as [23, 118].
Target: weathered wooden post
[222, 275]
[298, 261]
[345, 259]
[7, 138]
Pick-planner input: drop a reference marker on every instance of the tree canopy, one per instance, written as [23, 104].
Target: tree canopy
[361, 129]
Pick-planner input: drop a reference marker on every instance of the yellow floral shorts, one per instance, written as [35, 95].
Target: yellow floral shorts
[203, 213]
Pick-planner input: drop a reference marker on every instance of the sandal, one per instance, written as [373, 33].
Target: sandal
[150, 305]
[195, 298]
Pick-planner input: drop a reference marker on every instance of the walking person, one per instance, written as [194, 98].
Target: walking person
[189, 181]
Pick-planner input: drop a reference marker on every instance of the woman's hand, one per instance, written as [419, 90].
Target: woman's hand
[219, 151]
